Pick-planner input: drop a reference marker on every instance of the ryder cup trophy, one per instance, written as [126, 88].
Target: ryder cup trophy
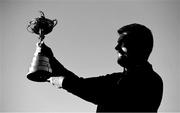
[40, 69]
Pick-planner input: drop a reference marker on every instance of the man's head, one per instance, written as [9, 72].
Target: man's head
[134, 44]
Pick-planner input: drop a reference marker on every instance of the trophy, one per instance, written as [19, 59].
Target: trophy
[40, 69]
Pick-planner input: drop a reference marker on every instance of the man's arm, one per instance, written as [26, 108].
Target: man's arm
[94, 89]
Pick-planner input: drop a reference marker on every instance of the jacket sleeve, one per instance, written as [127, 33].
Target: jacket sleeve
[94, 89]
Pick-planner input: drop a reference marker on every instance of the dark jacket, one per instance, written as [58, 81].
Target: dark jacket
[138, 90]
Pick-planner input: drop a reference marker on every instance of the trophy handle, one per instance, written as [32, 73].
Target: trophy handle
[55, 22]
[29, 26]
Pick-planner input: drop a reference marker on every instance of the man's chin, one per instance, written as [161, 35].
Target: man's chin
[121, 63]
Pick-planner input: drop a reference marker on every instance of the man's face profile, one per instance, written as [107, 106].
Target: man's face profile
[134, 45]
[122, 50]
[128, 53]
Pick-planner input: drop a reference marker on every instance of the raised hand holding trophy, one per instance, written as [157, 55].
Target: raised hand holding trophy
[40, 69]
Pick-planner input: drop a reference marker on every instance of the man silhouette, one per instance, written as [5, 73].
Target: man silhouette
[137, 89]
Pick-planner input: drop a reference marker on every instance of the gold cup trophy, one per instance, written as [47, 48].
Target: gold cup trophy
[40, 69]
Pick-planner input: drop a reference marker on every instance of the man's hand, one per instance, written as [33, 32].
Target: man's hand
[45, 50]
[57, 67]
[56, 81]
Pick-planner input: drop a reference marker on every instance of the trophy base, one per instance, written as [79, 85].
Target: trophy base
[39, 76]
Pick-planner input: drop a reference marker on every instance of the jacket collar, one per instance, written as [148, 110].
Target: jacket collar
[139, 68]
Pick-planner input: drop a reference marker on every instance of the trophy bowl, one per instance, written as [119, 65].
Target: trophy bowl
[41, 25]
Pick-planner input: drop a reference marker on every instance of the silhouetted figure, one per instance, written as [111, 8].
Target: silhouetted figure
[137, 89]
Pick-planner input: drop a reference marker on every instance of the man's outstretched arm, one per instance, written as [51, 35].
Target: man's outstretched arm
[93, 89]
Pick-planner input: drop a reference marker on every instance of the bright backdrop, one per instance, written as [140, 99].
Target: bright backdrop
[84, 41]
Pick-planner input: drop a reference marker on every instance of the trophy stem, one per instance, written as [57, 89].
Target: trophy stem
[41, 36]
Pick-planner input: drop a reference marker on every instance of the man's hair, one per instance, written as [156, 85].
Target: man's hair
[141, 38]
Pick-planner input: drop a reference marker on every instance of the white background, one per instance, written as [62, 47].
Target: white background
[84, 41]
